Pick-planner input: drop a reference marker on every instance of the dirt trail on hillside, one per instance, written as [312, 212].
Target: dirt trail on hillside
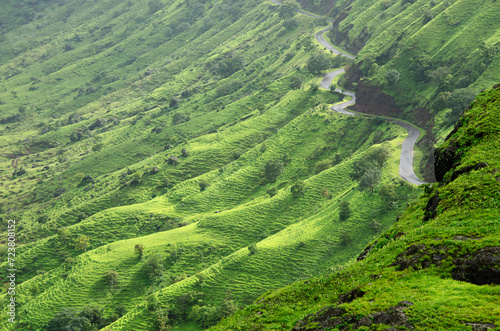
[407, 148]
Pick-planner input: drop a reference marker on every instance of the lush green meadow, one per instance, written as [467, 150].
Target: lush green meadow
[436, 268]
[163, 167]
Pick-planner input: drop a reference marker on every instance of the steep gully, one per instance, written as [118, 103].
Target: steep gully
[406, 158]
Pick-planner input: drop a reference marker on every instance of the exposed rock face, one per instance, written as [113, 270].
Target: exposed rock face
[365, 252]
[335, 317]
[445, 160]
[480, 268]
[431, 208]
[371, 100]
[350, 296]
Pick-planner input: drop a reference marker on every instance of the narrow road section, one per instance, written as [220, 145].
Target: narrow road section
[407, 148]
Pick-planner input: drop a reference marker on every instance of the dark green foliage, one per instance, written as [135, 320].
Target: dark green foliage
[205, 315]
[375, 226]
[174, 102]
[296, 81]
[94, 314]
[178, 118]
[69, 319]
[173, 160]
[75, 136]
[153, 267]
[42, 219]
[273, 169]
[121, 310]
[162, 320]
[154, 6]
[344, 210]
[388, 192]
[111, 278]
[288, 9]
[139, 250]
[392, 76]
[272, 191]
[203, 184]
[152, 303]
[97, 147]
[318, 62]
[460, 99]
[314, 87]
[441, 76]
[230, 64]
[345, 238]
[81, 216]
[252, 249]
[228, 88]
[322, 165]
[19, 172]
[298, 188]
[370, 179]
[82, 242]
[290, 23]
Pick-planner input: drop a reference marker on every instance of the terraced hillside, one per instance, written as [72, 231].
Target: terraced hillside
[167, 163]
[436, 268]
[420, 60]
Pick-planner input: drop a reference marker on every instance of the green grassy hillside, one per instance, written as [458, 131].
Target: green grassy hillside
[417, 59]
[164, 168]
[436, 268]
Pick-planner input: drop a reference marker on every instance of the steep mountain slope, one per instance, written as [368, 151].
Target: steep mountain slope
[436, 268]
[420, 60]
[164, 167]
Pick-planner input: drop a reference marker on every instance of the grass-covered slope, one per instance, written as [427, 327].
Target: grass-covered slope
[164, 167]
[436, 268]
[417, 59]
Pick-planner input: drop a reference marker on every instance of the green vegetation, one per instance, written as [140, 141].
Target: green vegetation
[164, 165]
[436, 268]
[167, 163]
[419, 54]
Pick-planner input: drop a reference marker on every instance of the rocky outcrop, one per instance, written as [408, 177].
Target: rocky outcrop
[371, 100]
[335, 317]
[480, 268]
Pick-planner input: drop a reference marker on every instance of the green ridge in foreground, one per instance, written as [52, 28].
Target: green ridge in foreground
[436, 268]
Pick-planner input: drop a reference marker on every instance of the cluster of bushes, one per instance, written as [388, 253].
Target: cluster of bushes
[89, 318]
[368, 170]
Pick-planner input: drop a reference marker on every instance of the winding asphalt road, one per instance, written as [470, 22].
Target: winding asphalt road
[406, 158]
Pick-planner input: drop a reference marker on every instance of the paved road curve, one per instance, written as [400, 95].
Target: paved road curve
[406, 159]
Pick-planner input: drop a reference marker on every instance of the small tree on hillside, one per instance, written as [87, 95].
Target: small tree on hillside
[139, 250]
[153, 267]
[252, 249]
[344, 210]
[388, 192]
[111, 278]
[392, 76]
[345, 238]
[318, 62]
[288, 9]
[375, 226]
[370, 179]
[296, 81]
[203, 184]
[68, 319]
[298, 188]
[273, 169]
[459, 100]
[82, 242]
